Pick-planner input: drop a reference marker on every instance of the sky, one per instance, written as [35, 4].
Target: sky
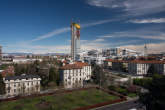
[43, 26]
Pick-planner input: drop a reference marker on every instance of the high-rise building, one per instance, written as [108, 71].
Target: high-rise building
[75, 41]
[145, 50]
[0, 54]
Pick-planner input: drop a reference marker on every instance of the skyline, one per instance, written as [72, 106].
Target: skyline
[44, 26]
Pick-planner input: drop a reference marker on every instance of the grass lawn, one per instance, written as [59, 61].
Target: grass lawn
[66, 101]
[132, 95]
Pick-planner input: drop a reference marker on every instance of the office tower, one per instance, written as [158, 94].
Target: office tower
[0, 54]
[75, 41]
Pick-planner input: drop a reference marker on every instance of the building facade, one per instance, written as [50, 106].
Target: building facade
[136, 67]
[116, 65]
[75, 75]
[22, 85]
[142, 67]
[0, 54]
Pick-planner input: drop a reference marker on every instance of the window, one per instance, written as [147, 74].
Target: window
[14, 90]
[8, 90]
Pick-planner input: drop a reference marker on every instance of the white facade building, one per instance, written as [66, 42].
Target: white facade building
[138, 68]
[74, 75]
[142, 67]
[119, 52]
[98, 60]
[22, 85]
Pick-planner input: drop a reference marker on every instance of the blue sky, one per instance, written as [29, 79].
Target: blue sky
[42, 26]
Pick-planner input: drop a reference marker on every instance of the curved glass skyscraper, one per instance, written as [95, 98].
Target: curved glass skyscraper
[75, 41]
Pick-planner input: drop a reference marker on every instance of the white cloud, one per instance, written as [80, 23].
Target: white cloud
[40, 49]
[97, 23]
[149, 33]
[98, 43]
[152, 47]
[99, 40]
[132, 7]
[53, 33]
[67, 29]
[153, 20]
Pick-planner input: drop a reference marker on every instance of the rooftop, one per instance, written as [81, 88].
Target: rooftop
[137, 61]
[21, 77]
[148, 61]
[75, 65]
[112, 60]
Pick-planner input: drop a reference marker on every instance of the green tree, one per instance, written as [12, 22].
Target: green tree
[155, 98]
[152, 70]
[44, 81]
[144, 82]
[98, 75]
[54, 75]
[2, 85]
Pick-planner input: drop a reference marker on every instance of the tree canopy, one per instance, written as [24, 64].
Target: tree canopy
[2, 85]
[155, 98]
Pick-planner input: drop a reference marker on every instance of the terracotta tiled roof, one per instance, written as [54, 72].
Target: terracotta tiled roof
[137, 61]
[64, 61]
[148, 61]
[109, 60]
[76, 65]
[121, 61]
[81, 64]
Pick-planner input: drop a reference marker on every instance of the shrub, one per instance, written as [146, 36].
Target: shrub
[122, 90]
[112, 88]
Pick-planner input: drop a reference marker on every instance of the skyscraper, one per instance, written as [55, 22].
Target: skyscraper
[145, 50]
[75, 41]
[0, 54]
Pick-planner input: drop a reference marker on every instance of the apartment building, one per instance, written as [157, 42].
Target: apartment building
[120, 65]
[108, 63]
[22, 85]
[143, 67]
[75, 74]
[117, 65]
[136, 67]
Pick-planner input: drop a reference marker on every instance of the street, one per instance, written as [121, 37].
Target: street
[129, 105]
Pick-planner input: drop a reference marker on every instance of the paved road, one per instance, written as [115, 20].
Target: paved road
[121, 106]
